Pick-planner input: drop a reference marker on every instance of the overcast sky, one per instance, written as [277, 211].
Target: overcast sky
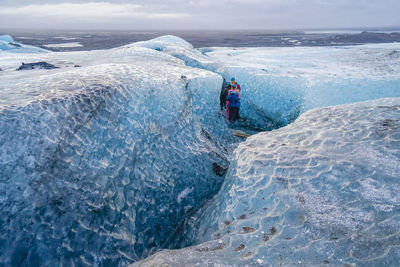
[202, 14]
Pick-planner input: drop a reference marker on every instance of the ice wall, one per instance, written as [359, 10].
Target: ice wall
[281, 83]
[322, 191]
[100, 163]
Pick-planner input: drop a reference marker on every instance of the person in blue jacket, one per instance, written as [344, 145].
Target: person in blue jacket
[234, 105]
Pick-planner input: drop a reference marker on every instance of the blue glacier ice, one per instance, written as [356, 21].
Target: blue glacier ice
[110, 162]
[99, 164]
[323, 191]
[8, 44]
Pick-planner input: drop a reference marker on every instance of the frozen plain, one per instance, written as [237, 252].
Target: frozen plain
[103, 159]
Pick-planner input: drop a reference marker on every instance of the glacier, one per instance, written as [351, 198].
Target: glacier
[111, 157]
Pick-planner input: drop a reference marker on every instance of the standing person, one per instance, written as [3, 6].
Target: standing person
[236, 89]
[234, 84]
[233, 105]
[224, 94]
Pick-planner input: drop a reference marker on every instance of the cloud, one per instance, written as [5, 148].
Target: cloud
[89, 10]
[197, 14]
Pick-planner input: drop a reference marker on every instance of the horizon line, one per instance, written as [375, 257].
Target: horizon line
[367, 28]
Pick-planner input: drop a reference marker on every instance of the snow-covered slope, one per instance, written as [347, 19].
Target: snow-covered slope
[324, 190]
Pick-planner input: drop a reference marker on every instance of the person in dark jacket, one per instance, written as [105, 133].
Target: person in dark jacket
[233, 106]
[224, 94]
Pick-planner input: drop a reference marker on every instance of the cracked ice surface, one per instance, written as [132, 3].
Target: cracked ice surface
[94, 159]
[324, 190]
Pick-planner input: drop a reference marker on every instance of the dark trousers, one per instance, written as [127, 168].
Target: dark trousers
[233, 113]
[223, 104]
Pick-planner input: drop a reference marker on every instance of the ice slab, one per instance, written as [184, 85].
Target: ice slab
[324, 190]
[99, 164]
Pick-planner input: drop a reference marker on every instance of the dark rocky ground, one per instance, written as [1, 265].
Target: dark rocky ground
[108, 39]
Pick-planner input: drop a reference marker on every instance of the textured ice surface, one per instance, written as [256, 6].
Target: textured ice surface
[324, 190]
[99, 164]
[281, 83]
[7, 43]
